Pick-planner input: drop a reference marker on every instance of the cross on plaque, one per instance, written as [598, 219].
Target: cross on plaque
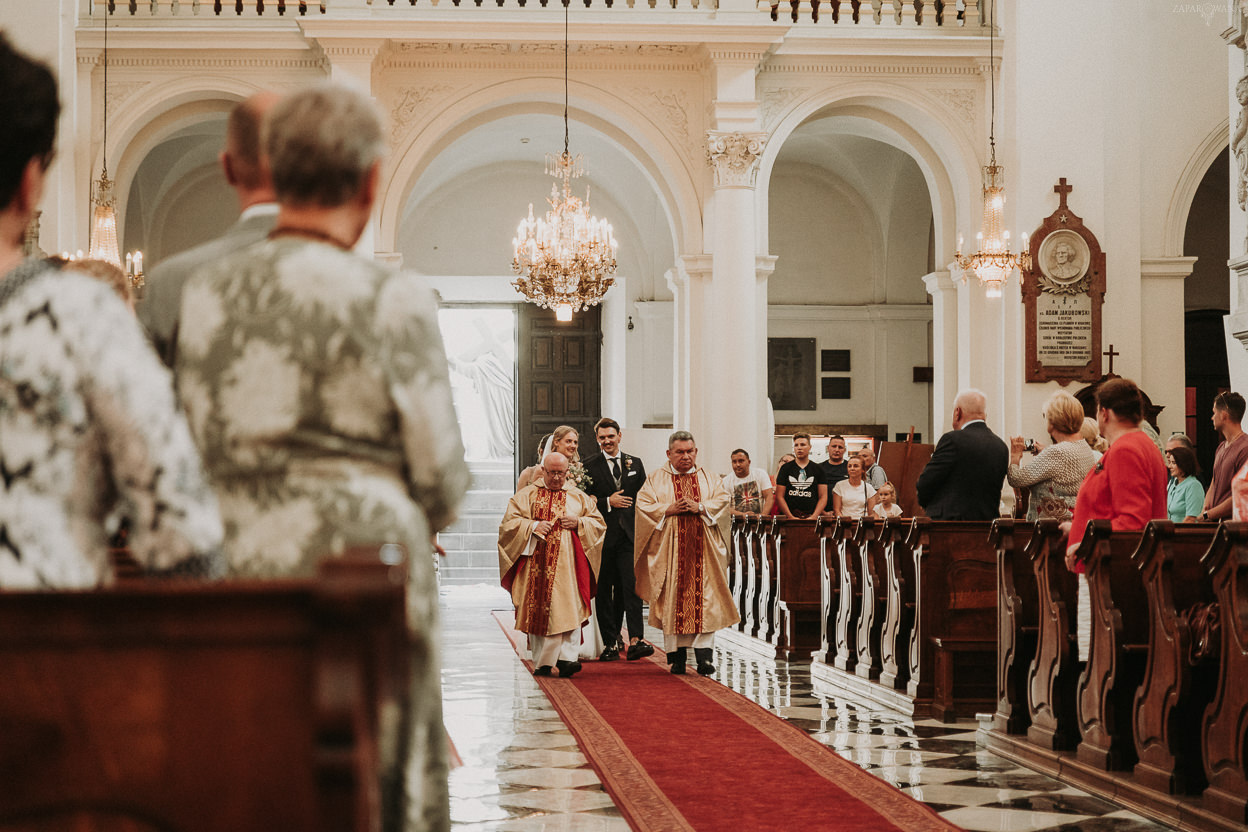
[1111, 352]
[1061, 189]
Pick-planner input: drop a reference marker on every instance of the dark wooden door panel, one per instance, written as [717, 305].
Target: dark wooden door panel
[560, 377]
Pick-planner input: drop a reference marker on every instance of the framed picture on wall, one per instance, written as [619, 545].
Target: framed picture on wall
[791, 373]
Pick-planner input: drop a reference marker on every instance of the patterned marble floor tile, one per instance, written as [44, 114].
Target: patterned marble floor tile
[977, 819]
[550, 739]
[553, 823]
[543, 757]
[875, 757]
[558, 800]
[551, 778]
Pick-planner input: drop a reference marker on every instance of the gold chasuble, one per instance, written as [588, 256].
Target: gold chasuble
[552, 580]
[682, 561]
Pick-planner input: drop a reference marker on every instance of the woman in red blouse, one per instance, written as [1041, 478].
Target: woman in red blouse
[1128, 486]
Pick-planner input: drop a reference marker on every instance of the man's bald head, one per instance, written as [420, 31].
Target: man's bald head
[969, 406]
[244, 161]
[555, 470]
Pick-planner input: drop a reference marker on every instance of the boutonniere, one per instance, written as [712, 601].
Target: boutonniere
[628, 463]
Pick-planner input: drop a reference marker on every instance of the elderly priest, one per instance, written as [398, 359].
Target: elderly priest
[681, 558]
[549, 551]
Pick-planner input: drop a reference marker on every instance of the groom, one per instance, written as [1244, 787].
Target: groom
[615, 480]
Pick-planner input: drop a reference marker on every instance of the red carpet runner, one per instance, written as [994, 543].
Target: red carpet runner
[687, 753]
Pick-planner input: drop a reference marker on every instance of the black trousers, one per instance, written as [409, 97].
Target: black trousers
[617, 591]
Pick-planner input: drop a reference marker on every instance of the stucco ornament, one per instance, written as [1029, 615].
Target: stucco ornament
[734, 156]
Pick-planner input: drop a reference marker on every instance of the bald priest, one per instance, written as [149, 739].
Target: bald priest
[549, 551]
[681, 557]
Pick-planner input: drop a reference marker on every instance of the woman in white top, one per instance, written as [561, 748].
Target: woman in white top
[853, 497]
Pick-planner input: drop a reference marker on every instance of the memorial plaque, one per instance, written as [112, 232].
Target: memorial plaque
[1063, 292]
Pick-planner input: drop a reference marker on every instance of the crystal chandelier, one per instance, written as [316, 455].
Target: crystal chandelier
[103, 239]
[993, 262]
[567, 258]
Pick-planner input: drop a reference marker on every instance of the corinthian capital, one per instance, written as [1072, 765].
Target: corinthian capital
[734, 156]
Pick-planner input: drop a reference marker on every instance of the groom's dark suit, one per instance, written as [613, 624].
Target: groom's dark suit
[617, 595]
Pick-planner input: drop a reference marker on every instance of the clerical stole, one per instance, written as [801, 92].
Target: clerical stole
[690, 531]
[542, 564]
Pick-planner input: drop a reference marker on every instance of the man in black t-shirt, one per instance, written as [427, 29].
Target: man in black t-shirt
[801, 489]
[836, 468]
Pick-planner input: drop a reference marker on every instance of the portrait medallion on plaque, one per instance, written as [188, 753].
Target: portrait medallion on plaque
[1062, 293]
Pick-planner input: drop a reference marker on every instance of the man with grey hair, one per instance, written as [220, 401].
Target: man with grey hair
[549, 553]
[318, 392]
[963, 479]
[246, 169]
[681, 557]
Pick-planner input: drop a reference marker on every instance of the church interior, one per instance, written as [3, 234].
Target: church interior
[796, 192]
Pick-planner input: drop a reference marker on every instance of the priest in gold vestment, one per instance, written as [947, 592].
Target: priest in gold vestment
[681, 557]
[549, 551]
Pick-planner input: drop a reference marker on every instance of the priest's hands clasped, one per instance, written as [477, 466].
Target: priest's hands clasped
[684, 505]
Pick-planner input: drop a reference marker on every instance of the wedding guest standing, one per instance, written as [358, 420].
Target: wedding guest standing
[1055, 473]
[318, 389]
[88, 420]
[853, 496]
[1185, 496]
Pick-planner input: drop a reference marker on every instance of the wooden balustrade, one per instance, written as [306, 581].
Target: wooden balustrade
[899, 614]
[798, 593]
[873, 572]
[829, 588]
[845, 656]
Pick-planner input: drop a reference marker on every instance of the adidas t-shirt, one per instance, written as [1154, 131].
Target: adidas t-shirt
[801, 486]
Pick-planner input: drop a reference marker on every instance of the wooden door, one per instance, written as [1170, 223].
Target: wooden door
[559, 367]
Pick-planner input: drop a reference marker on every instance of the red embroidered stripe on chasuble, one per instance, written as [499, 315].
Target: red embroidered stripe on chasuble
[689, 540]
[535, 613]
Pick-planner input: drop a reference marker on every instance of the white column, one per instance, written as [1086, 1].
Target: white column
[944, 294]
[1236, 323]
[764, 265]
[688, 281]
[1164, 377]
[980, 345]
[734, 341]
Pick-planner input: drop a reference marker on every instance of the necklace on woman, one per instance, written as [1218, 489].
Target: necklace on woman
[311, 233]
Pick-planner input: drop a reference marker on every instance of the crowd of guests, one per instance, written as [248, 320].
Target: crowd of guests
[303, 406]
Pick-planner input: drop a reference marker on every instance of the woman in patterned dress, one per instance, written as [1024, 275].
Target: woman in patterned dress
[89, 427]
[317, 387]
[1055, 473]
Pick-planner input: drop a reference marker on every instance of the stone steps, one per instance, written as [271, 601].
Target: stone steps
[471, 542]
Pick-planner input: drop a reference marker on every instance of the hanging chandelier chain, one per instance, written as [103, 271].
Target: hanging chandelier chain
[104, 149]
[566, 4]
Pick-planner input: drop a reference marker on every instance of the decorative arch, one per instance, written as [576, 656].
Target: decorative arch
[617, 119]
[937, 142]
[1184, 192]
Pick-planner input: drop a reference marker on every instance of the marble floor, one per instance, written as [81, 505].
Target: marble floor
[523, 770]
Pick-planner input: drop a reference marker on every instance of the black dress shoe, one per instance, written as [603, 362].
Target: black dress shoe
[544, 670]
[611, 654]
[566, 669]
[704, 656]
[640, 650]
[677, 661]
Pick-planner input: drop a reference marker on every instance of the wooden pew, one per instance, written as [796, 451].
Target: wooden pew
[1017, 622]
[1053, 677]
[202, 707]
[873, 603]
[1224, 728]
[953, 644]
[899, 612]
[1118, 650]
[1176, 689]
[846, 655]
[797, 582]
